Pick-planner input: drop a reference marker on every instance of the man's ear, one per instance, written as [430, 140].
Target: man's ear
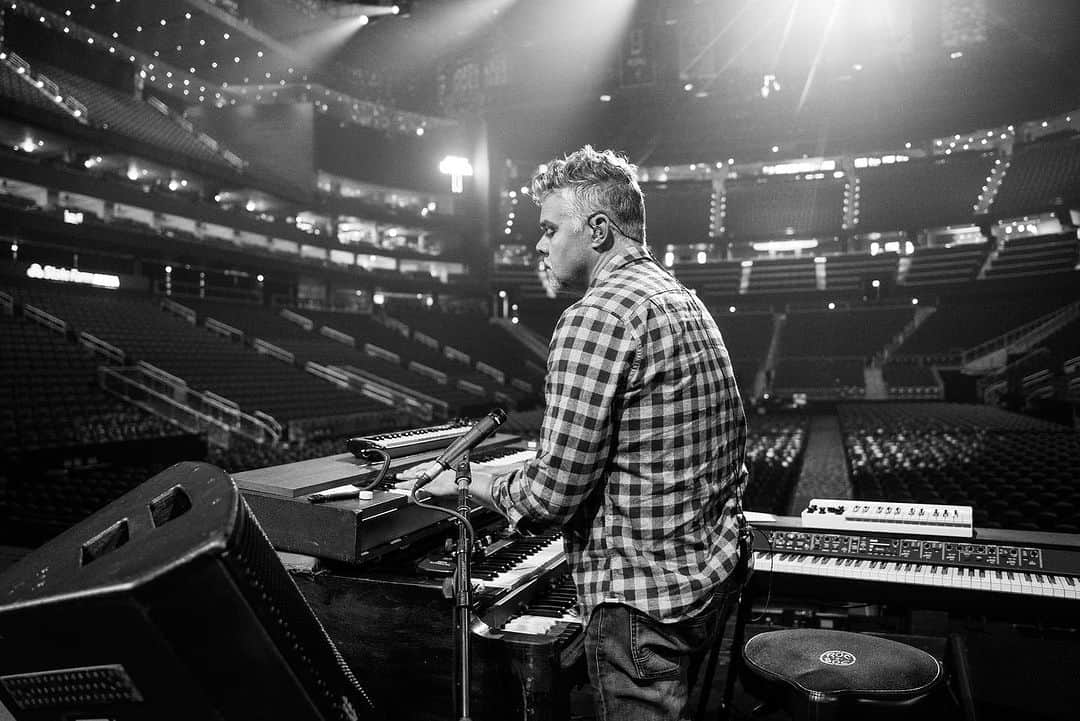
[600, 227]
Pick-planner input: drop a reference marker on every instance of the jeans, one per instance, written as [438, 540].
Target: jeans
[641, 669]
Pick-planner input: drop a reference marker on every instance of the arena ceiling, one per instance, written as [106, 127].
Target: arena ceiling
[665, 80]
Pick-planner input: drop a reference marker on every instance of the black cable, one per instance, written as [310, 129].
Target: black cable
[772, 557]
[372, 485]
[448, 511]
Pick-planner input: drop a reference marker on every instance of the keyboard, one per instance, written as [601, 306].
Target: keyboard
[516, 562]
[415, 440]
[996, 567]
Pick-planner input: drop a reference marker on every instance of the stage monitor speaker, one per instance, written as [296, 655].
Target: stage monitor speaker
[167, 604]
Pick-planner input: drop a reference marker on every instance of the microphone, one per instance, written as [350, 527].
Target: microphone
[461, 445]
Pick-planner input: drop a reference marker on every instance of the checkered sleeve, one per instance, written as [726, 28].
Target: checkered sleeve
[589, 359]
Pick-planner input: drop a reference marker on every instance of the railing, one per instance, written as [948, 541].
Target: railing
[158, 105]
[101, 347]
[229, 331]
[179, 310]
[268, 348]
[202, 137]
[454, 354]
[305, 323]
[155, 390]
[425, 339]
[7, 303]
[327, 373]
[492, 371]
[45, 85]
[337, 335]
[1047, 323]
[383, 390]
[393, 324]
[428, 372]
[48, 320]
[521, 385]
[113, 380]
[221, 401]
[471, 388]
[376, 352]
[269, 421]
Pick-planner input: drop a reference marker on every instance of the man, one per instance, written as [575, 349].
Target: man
[642, 445]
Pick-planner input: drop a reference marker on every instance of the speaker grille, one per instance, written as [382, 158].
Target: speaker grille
[71, 687]
[278, 602]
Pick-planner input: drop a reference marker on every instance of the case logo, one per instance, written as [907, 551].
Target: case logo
[837, 658]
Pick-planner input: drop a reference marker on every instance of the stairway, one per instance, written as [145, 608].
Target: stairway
[824, 471]
[874, 380]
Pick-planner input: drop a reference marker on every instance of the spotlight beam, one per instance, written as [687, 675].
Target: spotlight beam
[255, 34]
[818, 55]
[787, 32]
[716, 38]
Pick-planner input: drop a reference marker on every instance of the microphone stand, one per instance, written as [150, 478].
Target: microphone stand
[462, 591]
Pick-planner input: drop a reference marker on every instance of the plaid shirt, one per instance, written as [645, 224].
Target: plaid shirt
[642, 449]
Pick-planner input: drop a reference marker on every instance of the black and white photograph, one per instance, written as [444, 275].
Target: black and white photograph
[539, 360]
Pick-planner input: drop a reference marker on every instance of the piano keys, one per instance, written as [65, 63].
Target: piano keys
[408, 442]
[391, 614]
[996, 573]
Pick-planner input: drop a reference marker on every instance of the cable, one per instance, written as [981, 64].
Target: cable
[371, 485]
[772, 557]
[450, 512]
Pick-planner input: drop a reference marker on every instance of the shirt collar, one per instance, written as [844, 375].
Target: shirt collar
[629, 255]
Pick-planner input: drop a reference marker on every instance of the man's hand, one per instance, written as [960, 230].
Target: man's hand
[445, 484]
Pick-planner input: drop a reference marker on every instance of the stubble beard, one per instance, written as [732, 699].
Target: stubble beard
[551, 284]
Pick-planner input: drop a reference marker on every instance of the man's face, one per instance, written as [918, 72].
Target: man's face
[564, 246]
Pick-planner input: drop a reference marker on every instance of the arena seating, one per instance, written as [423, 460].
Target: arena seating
[366, 329]
[911, 381]
[783, 276]
[1037, 256]
[774, 452]
[1041, 175]
[136, 325]
[711, 279]
[953, 265]
[858, 332]
[747, 335]
[922, 193]
[775, 208]
[38, 504]
[1017, 472]
[522, 281]
[857, 271]
[542, 314]
[123, 114]
[50, 398]
[475, 335]
[819, 378]
[259, 322]
[957, 326]
[14, 89]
